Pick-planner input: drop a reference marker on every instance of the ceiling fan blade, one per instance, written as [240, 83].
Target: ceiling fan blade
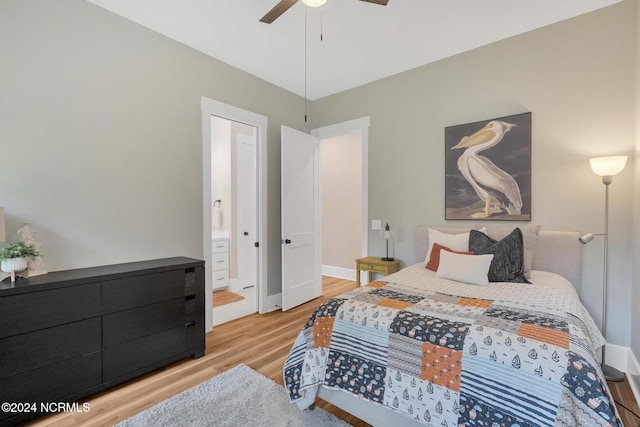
[277, 10]
[380, 2]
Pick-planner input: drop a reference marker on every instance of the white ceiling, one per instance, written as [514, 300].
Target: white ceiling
[362, 42]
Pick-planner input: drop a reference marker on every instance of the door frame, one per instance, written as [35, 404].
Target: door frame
[343, 128]
[211, 107]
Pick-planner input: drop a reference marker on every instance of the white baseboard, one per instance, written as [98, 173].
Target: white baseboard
[339, 272]
[617, 357]
[633, 373]
[633, 365]
[623, 359]
[634, 382]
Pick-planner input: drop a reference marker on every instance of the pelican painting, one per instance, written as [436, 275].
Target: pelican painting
[490, 191]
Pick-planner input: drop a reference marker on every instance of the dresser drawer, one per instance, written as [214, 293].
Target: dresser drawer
[131, 324]
[220, 279]
[125, 359]
[372, 267]
[137, 291]
[220, 246]
[25, 352]
[220, 261]
[53, 383]
[36, 310]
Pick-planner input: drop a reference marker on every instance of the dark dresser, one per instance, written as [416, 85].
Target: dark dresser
[68, 334]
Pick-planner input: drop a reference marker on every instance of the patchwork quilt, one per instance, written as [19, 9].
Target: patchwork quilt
[447, 353]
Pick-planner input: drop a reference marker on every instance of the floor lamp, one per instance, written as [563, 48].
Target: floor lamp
[606, 167]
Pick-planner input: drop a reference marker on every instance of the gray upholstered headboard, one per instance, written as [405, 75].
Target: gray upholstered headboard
[556, 251]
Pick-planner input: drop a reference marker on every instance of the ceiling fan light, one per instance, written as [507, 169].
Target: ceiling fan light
[314, 3]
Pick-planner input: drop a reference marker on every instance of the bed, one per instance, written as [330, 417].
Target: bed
[433, 347]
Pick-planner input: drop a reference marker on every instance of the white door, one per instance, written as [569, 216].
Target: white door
[246, 212]
[301, 252]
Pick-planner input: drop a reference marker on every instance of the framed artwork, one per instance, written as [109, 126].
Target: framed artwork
[488, 169]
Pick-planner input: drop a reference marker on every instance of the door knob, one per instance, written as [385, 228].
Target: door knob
[246, 233]
[287, 241]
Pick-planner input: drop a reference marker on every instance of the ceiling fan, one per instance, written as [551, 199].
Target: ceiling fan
[284, 5]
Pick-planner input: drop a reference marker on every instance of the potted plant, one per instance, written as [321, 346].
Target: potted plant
[16, 256]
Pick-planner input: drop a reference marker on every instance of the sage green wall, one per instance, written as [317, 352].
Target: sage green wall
[635, 284]
[101, 134]
[578, 80]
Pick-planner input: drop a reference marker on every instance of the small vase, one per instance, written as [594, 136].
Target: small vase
[14, 264]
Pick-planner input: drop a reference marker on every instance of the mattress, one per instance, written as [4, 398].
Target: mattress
[448, 353]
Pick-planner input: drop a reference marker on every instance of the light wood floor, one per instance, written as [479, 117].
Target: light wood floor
[259, 341]
[626, 403]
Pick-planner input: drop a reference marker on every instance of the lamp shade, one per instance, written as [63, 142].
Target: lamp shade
[608, 166]
[2, 237]
[387, 232]
[314, 3]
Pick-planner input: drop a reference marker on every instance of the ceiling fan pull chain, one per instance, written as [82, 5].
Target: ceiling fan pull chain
[305, 65]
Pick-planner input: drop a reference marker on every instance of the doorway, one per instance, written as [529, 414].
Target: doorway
[341, 165]
[345, 189]
[234, 210]
[233, 228]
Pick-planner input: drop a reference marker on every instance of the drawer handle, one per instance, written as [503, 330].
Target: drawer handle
[190, 324]
[189, 297]
[220, 278]
[220, 261]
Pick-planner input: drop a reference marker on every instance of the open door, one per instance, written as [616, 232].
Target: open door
[246, 238]
[301, 252]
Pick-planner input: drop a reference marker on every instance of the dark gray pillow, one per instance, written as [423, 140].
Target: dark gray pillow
[508, 255]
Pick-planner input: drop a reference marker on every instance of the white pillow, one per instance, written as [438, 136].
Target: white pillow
[472, 269]
[455, 242]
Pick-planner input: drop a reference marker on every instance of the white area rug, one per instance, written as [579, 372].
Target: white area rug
[237, 397]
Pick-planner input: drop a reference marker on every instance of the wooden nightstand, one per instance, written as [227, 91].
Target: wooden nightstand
[373, 264]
